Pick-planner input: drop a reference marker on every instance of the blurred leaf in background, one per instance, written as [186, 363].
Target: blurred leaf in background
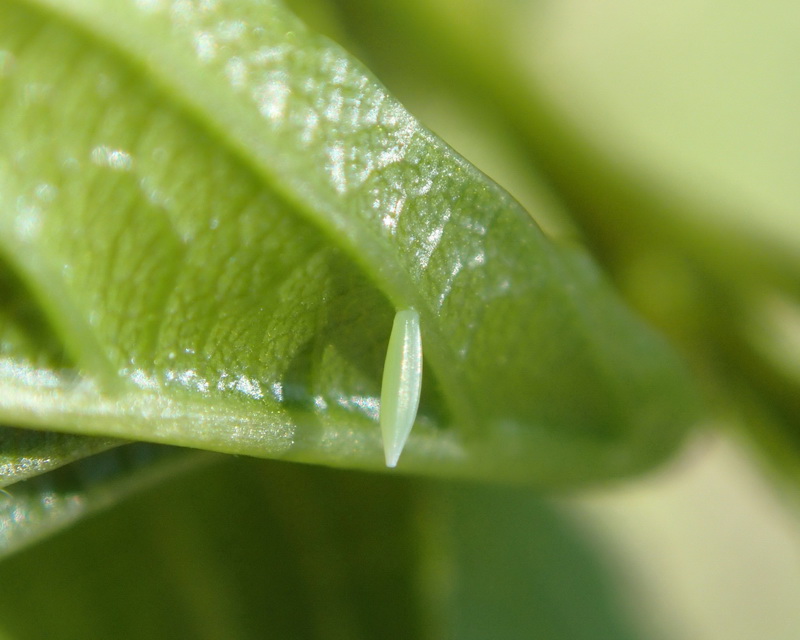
[241, 549]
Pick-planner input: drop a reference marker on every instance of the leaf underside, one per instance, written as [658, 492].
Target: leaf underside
[41, 506]
[208, 216]
[242, 550]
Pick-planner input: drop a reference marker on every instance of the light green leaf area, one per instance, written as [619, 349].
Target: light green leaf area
[217, 212]
[252, 550]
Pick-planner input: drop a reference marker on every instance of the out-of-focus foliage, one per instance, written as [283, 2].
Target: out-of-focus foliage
[240, 550]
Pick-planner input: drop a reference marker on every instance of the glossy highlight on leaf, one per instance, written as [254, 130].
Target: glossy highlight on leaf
[217, 211]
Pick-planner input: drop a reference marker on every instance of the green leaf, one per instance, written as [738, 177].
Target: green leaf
[39, 507]
[218, 211]
[28, 343]
[237, 550]
[26, 453]
[503, 563]
[252, 550]
[674, 161]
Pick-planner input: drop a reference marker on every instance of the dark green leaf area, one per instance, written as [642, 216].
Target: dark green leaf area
[246, 549]
[25, 453]
[513, 566]
[235, 551]
[43, 505]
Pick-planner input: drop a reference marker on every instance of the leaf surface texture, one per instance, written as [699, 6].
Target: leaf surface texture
[215, 213]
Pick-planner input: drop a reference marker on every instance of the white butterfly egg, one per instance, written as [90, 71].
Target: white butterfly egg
[402, 382]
